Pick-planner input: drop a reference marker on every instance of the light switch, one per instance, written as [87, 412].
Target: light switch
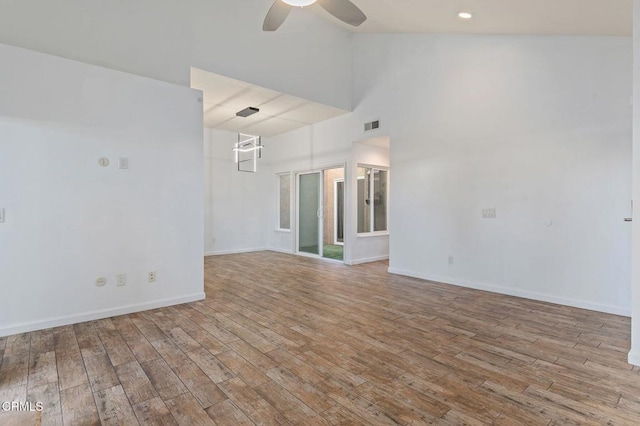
[123, 163]
[489, 213]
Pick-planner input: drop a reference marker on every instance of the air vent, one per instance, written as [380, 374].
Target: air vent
[372, 126]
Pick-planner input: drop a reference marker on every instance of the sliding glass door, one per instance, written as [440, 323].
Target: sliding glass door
[320, 206]
[309, 212]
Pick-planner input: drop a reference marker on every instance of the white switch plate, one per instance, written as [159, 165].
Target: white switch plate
[123, 163]
[121, 280]
[1, 215]
[488, 213]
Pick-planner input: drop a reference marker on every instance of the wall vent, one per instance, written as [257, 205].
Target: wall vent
[372, 126]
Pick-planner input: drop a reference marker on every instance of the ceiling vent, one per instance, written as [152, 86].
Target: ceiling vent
[374, 125]
[247, 112]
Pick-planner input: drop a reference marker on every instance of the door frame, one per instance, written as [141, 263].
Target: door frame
[335, 211]
[296, 210]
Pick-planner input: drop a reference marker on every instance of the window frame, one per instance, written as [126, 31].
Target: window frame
[371, 232]
[279, 201]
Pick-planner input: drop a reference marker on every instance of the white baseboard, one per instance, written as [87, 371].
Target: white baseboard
[592, 306]
[96, 315]
[634, 358]
[368, 260]
[237, 251]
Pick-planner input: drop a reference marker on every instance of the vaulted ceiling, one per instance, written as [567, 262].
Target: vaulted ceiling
[579, 17]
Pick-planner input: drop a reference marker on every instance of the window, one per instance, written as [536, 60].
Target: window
[284, 201]
[372, 199]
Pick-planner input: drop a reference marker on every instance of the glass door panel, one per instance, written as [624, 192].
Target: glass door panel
[309, 212]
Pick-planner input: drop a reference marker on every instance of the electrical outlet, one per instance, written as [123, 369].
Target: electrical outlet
[450, 260]
[152, 277]
[121, 280]
[1, 215]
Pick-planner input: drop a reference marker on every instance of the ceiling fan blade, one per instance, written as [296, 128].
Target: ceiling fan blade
[276, 16]
[345, 11]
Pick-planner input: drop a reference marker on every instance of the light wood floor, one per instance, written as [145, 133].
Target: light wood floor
[289, 340]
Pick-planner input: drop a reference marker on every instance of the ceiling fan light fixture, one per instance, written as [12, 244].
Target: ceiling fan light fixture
[299, 3]
[465, 15]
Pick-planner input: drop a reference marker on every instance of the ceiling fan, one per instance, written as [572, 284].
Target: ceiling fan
[344, 10]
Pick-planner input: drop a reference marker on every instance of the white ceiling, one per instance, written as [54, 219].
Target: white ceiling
[279, 112]
[580, 17]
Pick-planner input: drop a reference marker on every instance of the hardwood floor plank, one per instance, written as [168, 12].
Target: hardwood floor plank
[135, 382]
[14, 371]
[42, 369]
[66, 343]
[227, 413]
[396, 409]
[148, 328]
[49, 396]
[88, 339]
[141, 348]
[242, 368]
[188, 412]
[41, 342]
[203, 389]
[302, 390]
[170, 352]
[71, 371]
[154, 412]
[18, 345]
[211, 366]
[251, 354]
[117, 349]
[16, 393]
[100, 372]
[183, 340]
[252, 404]
[290, 406]
[20, 418]
[114, 408]
[163, 379]
[78, 406]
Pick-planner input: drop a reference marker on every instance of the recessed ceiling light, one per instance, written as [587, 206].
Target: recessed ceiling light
[465, 15]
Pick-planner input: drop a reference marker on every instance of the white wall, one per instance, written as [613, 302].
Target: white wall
[538, 128]
[235, 202]
[308, 56]
[69, 221]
